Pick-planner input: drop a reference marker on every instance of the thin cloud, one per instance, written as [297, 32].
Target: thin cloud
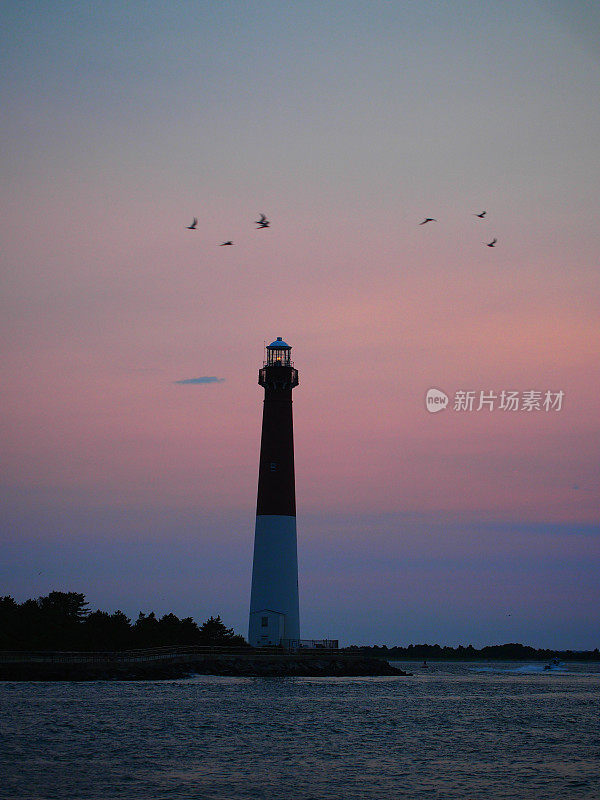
[204, 379]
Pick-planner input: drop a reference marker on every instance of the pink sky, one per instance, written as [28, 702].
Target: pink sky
[354, 136]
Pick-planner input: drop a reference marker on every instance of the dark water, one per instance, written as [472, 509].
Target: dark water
[451, 731]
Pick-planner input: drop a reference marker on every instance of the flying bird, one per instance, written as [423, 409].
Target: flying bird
[481, 216]
[263, 222]
[492, 243]
[427, 219]
[225, 243]
[192, 227]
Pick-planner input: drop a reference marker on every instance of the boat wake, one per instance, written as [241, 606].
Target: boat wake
[522, 669]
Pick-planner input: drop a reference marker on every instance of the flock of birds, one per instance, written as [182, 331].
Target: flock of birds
[481, 215]
[263, 222]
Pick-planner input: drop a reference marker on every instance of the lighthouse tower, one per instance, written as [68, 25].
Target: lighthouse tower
[274, 616]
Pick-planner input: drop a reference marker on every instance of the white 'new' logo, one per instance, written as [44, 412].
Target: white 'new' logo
[435, 400]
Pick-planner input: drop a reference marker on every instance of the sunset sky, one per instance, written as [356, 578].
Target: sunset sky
[346, 123]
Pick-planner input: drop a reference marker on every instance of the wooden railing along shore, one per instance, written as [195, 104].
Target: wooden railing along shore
[164, 654]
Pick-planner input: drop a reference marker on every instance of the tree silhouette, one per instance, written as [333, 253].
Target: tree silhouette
[9, 623]
[214, 632]
[103, 631]
[62, 621]
[69, 606]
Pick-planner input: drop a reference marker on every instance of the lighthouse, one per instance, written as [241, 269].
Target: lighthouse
[274, 614]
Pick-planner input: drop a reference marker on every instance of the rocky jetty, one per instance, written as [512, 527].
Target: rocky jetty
[242, 666]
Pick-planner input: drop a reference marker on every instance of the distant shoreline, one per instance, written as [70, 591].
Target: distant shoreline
[497, 652]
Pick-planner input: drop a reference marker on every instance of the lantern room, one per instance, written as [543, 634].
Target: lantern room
[279, 354]
[278, 371]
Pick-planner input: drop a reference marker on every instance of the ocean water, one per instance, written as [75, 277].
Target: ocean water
[450, 731]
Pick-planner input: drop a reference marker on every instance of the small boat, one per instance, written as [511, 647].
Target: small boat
[555, 662]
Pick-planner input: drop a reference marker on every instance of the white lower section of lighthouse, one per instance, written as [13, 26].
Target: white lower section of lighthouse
[274, 614]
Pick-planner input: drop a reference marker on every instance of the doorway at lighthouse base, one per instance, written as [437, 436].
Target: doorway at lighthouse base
[268, 627]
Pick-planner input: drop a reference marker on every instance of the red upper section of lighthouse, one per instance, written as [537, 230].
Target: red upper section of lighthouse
[276, 484]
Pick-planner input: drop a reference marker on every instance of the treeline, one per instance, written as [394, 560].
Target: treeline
[63, 621]
[496, 652]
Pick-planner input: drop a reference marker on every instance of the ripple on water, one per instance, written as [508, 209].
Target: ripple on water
[450, 733]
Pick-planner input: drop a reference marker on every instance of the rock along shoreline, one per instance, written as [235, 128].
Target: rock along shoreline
[234, 666]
